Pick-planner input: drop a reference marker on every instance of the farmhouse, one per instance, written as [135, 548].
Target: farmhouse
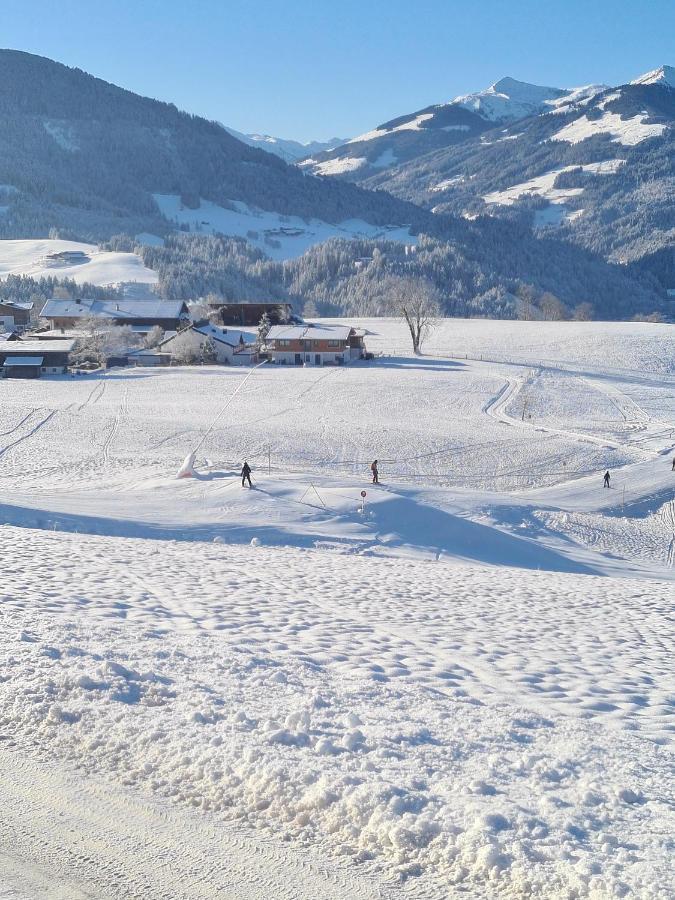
[141, 315]
[314, 345]
[15, 316]
[209, 343]
[250, 314]
[31, 359]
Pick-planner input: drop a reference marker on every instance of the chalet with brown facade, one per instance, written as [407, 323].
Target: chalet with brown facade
[244, 315]
[314, 345]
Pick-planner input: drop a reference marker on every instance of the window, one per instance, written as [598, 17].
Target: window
[284, 343]
[333, 343]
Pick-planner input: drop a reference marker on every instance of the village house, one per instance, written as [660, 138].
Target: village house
[249, 314]
[204, 342]
[15, 316]
[32, 359]
[141, 315]
[314, 345]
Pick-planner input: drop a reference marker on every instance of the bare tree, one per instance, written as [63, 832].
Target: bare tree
[184, 355]
[526, 295]
[99, 338]
[418, 303]
[309, 310]
[154, 337]
[583, 312]
[553, 309]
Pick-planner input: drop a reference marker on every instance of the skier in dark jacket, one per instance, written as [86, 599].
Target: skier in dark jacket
[607, 479]
[375, 471]
[246, 475]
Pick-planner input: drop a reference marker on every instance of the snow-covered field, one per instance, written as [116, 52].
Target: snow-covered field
[464, 689]
[29, 257]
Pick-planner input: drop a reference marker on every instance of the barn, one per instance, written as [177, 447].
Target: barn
[32, 359]
[23, 366]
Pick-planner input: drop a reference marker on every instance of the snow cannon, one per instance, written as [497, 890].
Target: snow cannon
[187, 470]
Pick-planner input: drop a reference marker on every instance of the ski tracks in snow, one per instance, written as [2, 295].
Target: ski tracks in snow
[94, 396]
[30, 433]
[646, 429]
[669, 515]
[651, 437]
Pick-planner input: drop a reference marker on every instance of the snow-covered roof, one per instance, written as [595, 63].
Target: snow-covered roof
[224, 335]
[113, 309]
[229, 336]
[146, 351]
[308, 332]
[54, 334]
[58, 346]
[23, 361]
[26, 306]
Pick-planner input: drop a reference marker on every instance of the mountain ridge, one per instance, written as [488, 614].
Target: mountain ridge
[597, 165]
[289, 150]
[89, 161]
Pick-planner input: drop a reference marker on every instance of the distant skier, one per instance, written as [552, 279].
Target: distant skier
[375, 471]
[607, 476]
[246, 475]
[673, 468]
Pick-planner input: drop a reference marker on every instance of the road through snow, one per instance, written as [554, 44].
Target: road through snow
[81, 838]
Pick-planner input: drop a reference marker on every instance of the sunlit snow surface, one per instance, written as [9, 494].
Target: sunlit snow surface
[622, 131]
[278, 236]
[466, 688]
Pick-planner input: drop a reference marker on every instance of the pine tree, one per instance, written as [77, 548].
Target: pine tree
[263, 329]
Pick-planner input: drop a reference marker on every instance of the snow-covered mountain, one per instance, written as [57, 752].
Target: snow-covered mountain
[594, 163]
[508, 99]
[408, 137]
[664, 75]
[290, 151]
[83, 156]
[101, 164]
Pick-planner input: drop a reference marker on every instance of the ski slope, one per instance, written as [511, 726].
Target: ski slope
[463, 688]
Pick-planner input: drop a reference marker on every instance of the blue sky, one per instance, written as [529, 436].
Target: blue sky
[302, 69]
